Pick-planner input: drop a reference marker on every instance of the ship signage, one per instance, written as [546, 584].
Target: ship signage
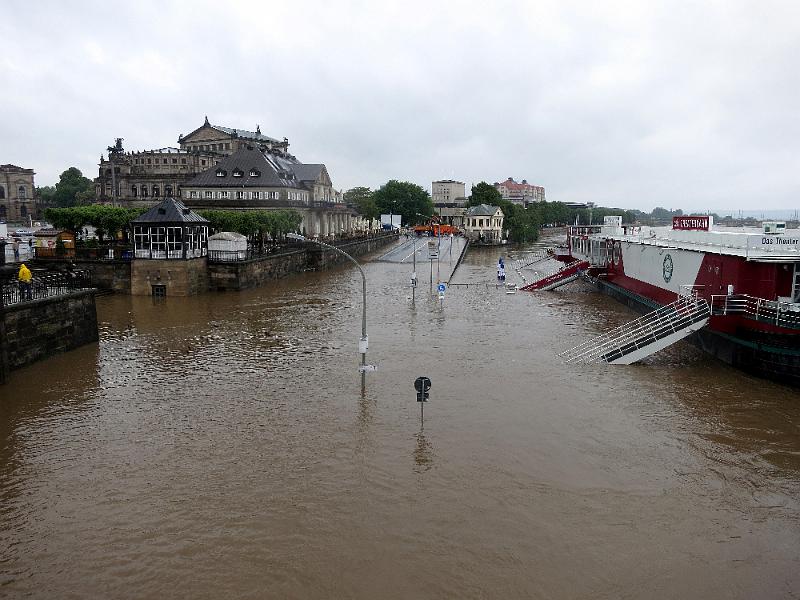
[780, 241]
[701, 223]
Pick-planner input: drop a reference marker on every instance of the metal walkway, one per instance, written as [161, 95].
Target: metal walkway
[557, 276]
[644, 336]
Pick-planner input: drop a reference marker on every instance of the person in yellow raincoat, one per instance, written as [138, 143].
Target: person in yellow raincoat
[24, 278]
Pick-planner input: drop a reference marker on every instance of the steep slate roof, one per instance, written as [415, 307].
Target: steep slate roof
[169, 211]
[275, 171]
[307, 172]
[244, 159]
[243, 133]
[482, 210]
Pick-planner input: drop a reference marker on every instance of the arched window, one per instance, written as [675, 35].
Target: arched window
[2, 192]
[23, 211]
[21, 191]
[155, 191]
[144, 191]
[133, 191]
[168, 191]
[2, 211]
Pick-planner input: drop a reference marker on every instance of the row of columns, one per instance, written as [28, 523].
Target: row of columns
[329, 224]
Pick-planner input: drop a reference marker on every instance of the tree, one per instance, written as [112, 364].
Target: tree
[72, 188]
[46, 194]
[484, 193]
[404, 198]
[105, 219]
[255, 224]
[361, 198]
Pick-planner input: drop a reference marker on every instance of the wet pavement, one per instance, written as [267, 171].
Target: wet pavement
[220, 446]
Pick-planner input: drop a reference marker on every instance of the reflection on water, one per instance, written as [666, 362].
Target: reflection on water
[221, 446]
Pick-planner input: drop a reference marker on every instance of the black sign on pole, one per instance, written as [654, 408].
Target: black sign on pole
[422, 385]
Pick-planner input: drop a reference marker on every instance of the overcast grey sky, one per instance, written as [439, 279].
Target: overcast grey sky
[692, 105]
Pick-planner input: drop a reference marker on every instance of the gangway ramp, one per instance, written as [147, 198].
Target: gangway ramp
[557, 276]
[644, 336]
[533, 258]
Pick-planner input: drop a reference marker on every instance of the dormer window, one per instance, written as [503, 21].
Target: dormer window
[254, 173]
[238, 172]
[221, 173]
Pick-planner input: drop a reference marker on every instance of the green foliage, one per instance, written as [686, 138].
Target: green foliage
[403, 198]
[362, 199]
[105, 219]
[522, 224]
[46, 194]
[484, 193]
[72, 188]
[255, 224]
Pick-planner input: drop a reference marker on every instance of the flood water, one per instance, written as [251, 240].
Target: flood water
[220, 447]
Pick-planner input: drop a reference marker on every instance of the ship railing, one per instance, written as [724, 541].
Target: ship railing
[553, 269]
[534, 258]
[691, 291]
[640, 332]
[775, 312]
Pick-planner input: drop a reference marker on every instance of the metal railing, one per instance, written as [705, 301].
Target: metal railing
[228, 256]
[101, 253]
[640, 332]
[782, 314]
[44, 285]
[534, 258]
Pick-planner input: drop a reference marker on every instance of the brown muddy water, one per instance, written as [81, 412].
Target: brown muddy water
[220, 447]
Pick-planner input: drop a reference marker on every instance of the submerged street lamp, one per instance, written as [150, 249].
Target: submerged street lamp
[363, 343]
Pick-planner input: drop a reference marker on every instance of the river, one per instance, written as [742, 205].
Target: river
[220, 446]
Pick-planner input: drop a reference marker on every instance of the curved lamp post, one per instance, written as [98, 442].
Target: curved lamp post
[364, 342]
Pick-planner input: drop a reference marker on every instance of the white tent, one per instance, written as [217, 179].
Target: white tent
[232, 244]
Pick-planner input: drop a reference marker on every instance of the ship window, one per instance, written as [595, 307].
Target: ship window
[221, 173]
[238, 172]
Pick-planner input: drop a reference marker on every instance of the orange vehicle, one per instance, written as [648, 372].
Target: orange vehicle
[435, 229]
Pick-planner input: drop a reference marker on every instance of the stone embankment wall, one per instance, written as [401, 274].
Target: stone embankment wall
[117, 275]
[255, 272]
[32, 331]
[320, 258]
[179, 277]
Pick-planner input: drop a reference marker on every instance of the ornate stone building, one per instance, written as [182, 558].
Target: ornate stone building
[192, 173]
[144, 178]
[226, 141]
[17, 194]
[256, 179]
